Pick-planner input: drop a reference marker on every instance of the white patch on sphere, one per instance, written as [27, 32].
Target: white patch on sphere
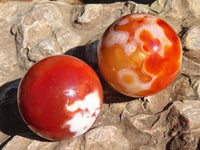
[116, 37]
[137, 85]
[83, 120]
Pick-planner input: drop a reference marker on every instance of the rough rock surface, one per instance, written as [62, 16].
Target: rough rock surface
[30, 31]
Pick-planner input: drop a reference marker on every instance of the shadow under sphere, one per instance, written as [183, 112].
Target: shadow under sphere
[11, 122]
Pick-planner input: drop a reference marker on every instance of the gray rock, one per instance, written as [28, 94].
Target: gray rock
[191, 42]
[60, 26]
[159, 129]
[106, 138]
[35, 34]
[10, 13]
[180, 13]
[184, 141]
[73, 144]
[183, 89]
[158, 5]
[189, 67]
[17, 143]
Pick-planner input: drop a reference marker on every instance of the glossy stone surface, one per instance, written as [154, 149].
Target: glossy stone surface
[139, 55]
[60, 97]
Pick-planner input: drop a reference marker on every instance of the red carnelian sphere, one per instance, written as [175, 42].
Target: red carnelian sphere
[60, 97]
[139, 55]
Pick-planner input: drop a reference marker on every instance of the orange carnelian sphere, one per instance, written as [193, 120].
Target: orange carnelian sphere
[139, 55]
[60, 97]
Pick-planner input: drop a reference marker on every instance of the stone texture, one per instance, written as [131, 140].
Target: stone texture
[73, 2]
[46, 26]
[158, 5]
[184, 141]
[179, 13]
[9, 68]
[106, 138]
[17, 143]
[191, 41]
[31, 31]
[3, 137]
[189, 67]
[181, 118]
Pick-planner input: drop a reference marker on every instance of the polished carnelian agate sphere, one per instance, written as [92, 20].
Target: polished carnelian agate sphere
[60, 97]
[139, 55]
